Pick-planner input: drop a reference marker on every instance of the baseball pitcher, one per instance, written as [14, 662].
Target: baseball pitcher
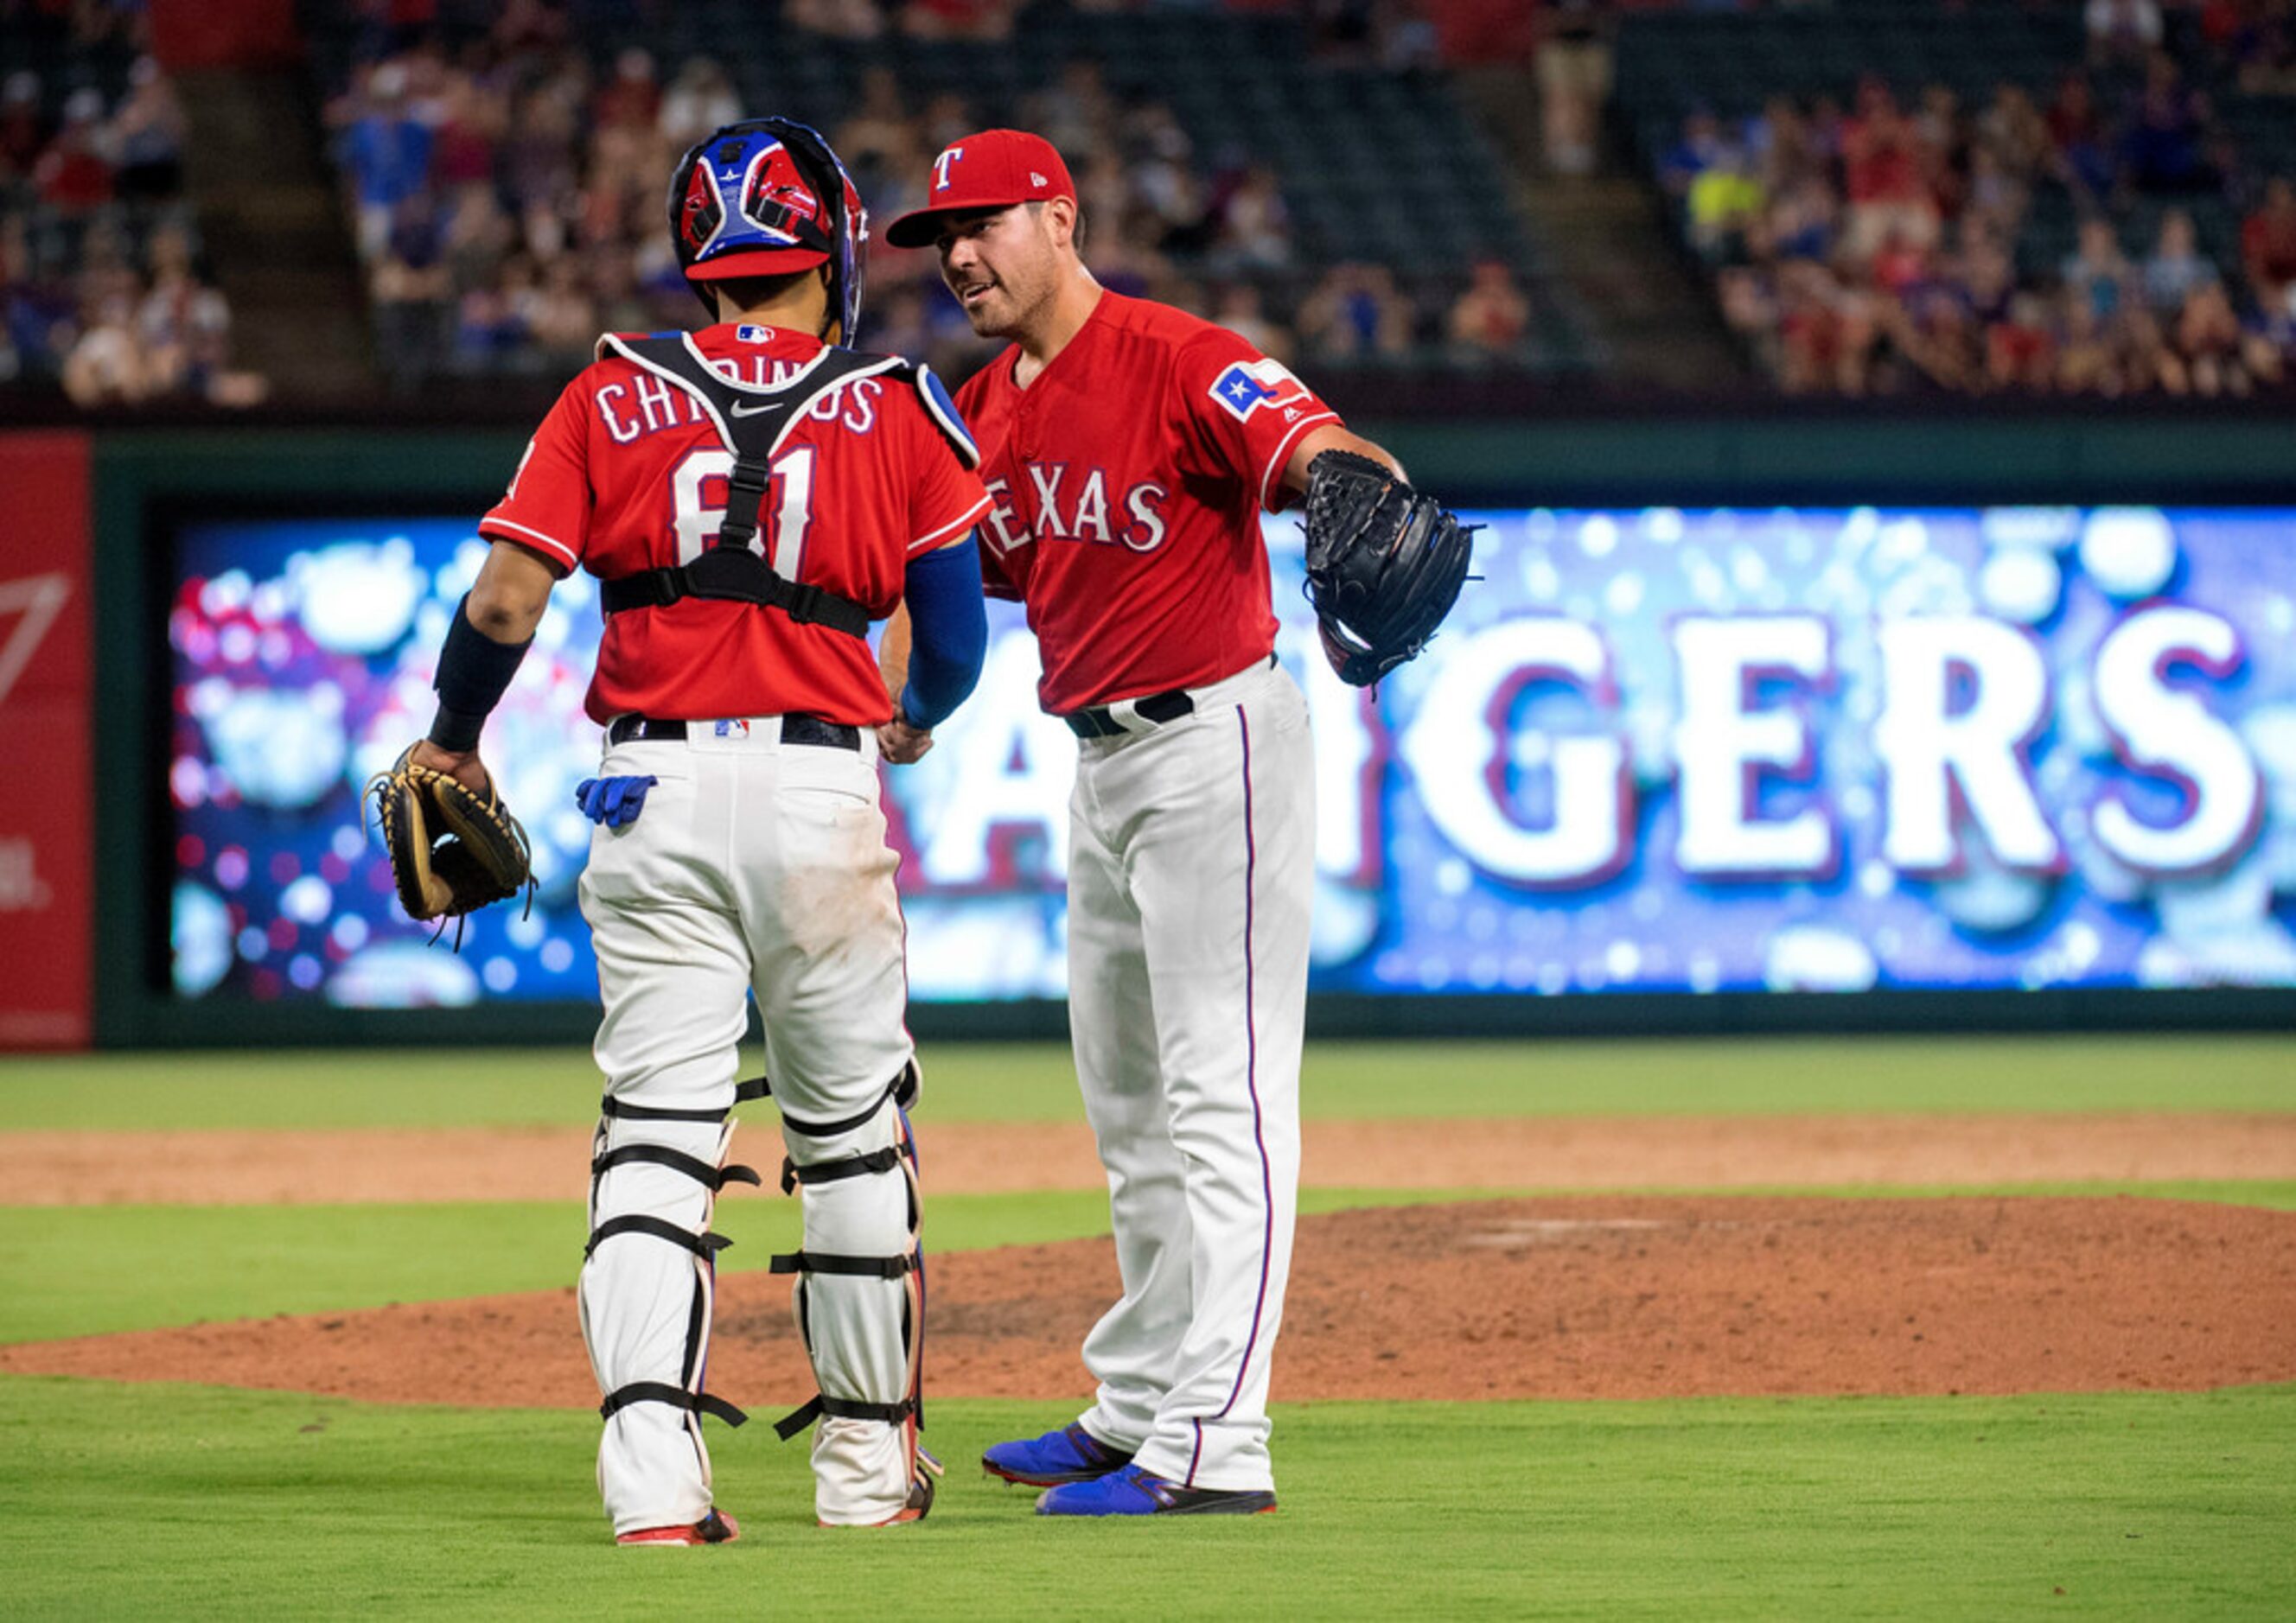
[1131, 448]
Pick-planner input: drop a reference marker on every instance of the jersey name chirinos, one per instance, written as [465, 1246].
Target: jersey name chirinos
[647, 405]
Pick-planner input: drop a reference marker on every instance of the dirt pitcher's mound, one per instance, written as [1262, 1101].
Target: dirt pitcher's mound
[1567, 1298]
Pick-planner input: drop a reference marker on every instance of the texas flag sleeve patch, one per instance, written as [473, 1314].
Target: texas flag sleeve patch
[1248, 385]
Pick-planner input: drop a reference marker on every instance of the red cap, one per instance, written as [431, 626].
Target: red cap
[993, 169]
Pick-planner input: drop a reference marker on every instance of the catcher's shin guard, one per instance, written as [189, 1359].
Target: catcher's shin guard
[649, 1278]
[860, 1300]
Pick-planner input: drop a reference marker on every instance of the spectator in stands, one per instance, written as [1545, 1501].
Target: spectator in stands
[414, 298]
[632, 97]
[471, 122]
[36, 309]
[2267, 247]
[1076, 113]
[2222, 357]
[562, 317]
[2263, 49]
[1826, 333]
[480, 236]
[2085, 357]
[700, 99]
[1933, 331]
[1723, 202]
[2122, 30]
[1994, 199]
[2096, 274]
[74, 176]
[23, 131]
[2076, 133]
[1702, 144]
[107, 268]
[1255, 228]
[1882, 177]
[1799, 225]
[107, 366]
[1574, 82]
[2175, 265]
[1492, 317]
[2020, 350]
[1356, 313]
[2162, 149]
[2011, 132]
[1786, 149]
[1238, 310]
[147, 136]
[388, 154]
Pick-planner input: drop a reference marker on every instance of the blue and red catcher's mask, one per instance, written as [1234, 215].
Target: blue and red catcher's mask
[764, 198]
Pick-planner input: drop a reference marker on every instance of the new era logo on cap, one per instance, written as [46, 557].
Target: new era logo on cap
[994, 168]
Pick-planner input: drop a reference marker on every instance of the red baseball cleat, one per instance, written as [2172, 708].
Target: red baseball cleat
[716, 1528]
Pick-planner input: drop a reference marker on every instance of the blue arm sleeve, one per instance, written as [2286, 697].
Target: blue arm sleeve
[949, 631]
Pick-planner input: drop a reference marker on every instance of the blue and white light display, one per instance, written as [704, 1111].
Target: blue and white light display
[1655, 750]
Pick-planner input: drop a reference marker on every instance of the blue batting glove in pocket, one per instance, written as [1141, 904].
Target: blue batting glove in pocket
[612, 802]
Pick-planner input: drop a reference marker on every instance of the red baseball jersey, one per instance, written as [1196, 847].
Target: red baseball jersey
[1127, 482]
[628, 474]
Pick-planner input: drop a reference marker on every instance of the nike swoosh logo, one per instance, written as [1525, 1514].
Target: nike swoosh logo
[740, 410]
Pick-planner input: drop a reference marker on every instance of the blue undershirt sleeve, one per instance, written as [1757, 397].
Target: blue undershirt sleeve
[949, 631]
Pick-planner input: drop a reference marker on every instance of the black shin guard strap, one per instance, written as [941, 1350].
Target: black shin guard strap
[859, 1118]
[620, 1111]
[676, 1397]
[830, 1172]
[705, 1246]
[842, 1408]
[714, 1178]
[860, 1267]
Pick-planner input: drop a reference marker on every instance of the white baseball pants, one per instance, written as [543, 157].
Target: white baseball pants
[1191, 877]
[754, 868]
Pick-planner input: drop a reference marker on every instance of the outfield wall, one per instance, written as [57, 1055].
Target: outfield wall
[1490, 867]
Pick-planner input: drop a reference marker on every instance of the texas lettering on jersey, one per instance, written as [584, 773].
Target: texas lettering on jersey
[1125, 484]
[1083, 513]
[628, 474]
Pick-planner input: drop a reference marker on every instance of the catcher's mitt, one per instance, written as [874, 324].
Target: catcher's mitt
[1384, 564]
[451, 851]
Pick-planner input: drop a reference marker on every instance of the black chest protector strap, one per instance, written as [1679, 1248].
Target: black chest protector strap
[752, 421]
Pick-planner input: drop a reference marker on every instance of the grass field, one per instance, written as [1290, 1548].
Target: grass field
[165, 1501]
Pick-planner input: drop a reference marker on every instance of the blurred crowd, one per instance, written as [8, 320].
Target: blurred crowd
[508, 197]
[101, 284]
[1885, 245]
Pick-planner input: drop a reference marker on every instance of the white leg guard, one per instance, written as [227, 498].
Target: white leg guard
[860, 1309]
[648, 1286]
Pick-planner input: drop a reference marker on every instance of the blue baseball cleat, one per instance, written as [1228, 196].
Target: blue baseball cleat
[1132, 1492]
[1071, 1455]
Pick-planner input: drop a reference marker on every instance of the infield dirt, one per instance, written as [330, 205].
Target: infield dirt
[1570, 1297]
[304, 1167]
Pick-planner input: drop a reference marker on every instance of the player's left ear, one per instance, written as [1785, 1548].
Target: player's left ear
[1062, 223]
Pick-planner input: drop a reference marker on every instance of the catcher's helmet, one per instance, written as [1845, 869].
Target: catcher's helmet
[766, 197]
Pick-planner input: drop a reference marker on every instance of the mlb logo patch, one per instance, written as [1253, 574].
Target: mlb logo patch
[749, 333]
[1248, 385]
[736, 728]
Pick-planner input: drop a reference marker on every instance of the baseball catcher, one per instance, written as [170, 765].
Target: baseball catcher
[1385, 563]
[748, 498]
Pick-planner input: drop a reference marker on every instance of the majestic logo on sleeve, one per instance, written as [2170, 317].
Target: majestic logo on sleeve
[1248, 385]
